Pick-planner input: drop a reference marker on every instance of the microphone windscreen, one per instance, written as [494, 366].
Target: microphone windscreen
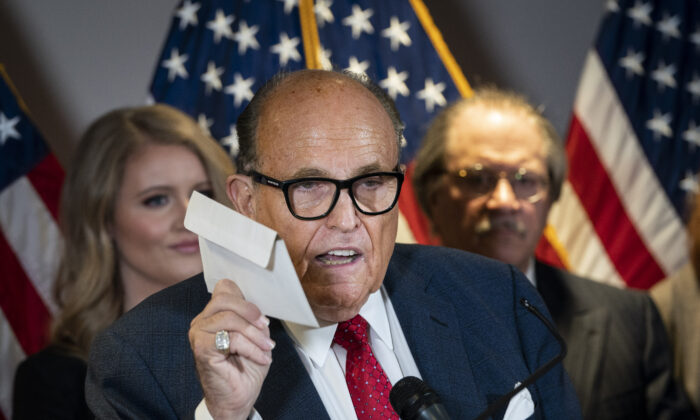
[410, 395]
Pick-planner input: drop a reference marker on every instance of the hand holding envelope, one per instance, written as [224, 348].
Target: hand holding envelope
[252, 255]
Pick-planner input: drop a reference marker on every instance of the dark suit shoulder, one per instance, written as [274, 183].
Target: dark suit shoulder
[172, 307]
[582, 294]
[443, 267]
[142, 365]
[50, 384]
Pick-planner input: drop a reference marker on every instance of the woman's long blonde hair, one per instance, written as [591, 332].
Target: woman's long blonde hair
[88, 289]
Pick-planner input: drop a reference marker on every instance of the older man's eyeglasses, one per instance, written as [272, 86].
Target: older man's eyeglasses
[479, 180]
[313, 198]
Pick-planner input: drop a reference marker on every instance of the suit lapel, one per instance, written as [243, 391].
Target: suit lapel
[585, 330]
[586, 349]
[434, 336]
[288, 392]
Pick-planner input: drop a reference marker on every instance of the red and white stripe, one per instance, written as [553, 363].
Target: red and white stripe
[30, 244]
[614, 219]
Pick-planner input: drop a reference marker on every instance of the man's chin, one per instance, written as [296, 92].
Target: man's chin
[326, 315]
[338, 311]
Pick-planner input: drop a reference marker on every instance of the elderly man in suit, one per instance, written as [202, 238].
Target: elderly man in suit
[487, 173]
[319, 163]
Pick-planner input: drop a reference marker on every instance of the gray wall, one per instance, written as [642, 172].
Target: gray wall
[73, 60]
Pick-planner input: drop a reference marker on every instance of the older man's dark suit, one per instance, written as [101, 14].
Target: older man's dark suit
[470, 337]
[619, 358]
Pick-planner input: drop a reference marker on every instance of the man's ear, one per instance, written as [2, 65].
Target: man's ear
[239, 189]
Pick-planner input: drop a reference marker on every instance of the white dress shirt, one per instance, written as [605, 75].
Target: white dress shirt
[325, 361]
[530, 272]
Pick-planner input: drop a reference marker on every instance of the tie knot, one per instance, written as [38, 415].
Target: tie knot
[352, 333]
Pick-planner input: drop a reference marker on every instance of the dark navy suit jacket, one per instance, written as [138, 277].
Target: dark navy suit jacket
[470, 337]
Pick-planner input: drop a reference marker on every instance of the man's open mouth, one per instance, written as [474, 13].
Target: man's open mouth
[338, 257]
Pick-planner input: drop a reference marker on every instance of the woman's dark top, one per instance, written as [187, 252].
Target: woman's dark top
[50, 385]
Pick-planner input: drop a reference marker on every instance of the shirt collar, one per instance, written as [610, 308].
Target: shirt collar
[315, 342]
[530, 272]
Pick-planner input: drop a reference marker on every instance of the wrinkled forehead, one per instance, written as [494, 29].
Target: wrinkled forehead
[507, 134]
[324, 110]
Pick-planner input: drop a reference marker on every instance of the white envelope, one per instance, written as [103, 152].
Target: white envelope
[250, 254]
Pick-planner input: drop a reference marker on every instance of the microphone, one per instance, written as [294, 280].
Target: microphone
[503, 400]
[413, 399]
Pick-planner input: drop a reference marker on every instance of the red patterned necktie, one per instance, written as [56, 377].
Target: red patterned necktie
[368, 384]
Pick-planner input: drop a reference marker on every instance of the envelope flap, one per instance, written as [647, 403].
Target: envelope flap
[230, 229]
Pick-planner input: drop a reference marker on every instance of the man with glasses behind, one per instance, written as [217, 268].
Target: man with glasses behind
[319, 163]
[486, 175]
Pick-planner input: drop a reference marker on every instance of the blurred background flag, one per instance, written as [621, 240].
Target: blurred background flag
[633, 146]
[30, 242]
[218, 52]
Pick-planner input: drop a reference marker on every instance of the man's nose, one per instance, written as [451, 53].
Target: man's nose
[503, 197]
[344, 215]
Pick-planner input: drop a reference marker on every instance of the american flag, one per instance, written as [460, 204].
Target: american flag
[218, 52]
[30, 184]
[633, 145]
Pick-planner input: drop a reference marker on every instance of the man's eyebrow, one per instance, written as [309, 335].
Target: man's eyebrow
[315, 172]
[310, 172]
[372, 167]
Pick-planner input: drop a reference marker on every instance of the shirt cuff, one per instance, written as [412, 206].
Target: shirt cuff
[202, 413]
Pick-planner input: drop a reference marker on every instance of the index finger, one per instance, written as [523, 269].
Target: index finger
[227, 296]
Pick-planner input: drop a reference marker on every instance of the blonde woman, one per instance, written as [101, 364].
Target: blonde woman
[122, 211]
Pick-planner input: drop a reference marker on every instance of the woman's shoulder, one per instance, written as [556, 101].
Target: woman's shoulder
[50, 384]
[52, 364]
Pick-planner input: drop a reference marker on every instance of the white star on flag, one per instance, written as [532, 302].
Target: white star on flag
[188, 14]
[394, 83]
[632, 62]
[240, 89]
[396, 32]
[231, 141]
[660, 125]
[432, 94]
[690, 183]
[359, 21]
[359, 67]
[176, 65]
[212, 78]
[692, 135]
[289, 5]
[325, 56]
[287, 49]
[7, 128]
[640, 13]
[663, 75]
[322, 8]
[246, 37]
[694, 87]
[612, 6]
[695, 38]
[205, 123]
[668, 26]
[221, 25]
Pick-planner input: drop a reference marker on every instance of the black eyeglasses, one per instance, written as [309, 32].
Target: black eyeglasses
[479, 180]
[313, 198]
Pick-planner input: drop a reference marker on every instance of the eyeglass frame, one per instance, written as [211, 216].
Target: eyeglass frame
[542, 180]
[339, 184]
